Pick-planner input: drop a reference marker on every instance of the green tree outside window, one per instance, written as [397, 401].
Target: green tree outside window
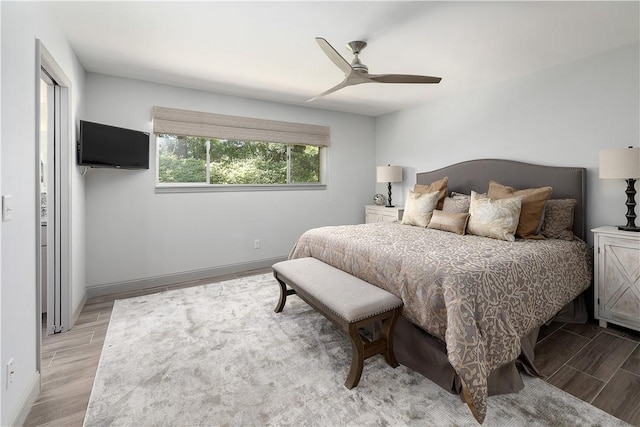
[183, 159]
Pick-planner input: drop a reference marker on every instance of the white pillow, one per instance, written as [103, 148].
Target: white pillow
[497, 218]
[419, 208]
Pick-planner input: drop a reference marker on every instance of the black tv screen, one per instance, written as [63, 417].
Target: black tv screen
[107, 146]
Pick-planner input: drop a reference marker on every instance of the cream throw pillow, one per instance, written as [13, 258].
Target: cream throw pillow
[497, 219]
[531, 213]
[440, 186]
[419, 208]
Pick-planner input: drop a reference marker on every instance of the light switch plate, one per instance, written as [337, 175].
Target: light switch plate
[7, 208]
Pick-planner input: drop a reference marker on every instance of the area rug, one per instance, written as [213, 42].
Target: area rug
[218, 355]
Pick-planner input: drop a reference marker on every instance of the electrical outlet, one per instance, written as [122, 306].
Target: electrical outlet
[9, 373]
[256, 244]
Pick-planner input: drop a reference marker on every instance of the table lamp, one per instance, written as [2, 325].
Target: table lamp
[389, 174]
[623, 163]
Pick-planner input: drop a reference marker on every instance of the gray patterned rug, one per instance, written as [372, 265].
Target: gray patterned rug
[219, 355]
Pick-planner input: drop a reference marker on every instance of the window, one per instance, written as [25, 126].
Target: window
[196, 149]
[186, 159]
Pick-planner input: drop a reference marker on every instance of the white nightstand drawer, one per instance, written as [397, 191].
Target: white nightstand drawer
[374, 213]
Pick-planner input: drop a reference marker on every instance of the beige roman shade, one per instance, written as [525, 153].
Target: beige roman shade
[194, 123]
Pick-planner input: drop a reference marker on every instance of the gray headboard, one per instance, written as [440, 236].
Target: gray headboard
[567, 182]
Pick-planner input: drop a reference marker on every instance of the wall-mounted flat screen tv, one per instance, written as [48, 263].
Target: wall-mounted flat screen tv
[104, 146]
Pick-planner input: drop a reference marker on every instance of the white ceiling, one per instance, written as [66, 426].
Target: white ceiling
[266, 50]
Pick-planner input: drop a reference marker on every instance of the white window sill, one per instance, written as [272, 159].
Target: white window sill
[215, 188]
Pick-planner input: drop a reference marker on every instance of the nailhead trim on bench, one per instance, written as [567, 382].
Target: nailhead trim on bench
[366, 317]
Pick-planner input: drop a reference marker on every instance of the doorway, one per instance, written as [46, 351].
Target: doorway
[49, 292]
[53, 167]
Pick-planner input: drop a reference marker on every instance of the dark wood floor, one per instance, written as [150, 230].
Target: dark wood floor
[600, 366]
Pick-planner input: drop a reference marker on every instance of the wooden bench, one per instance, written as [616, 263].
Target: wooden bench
[348, 302]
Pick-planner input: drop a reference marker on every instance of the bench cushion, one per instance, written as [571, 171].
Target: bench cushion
[346, 296]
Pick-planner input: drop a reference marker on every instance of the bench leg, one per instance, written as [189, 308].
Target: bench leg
[283, 294]
[363, 348]
[388, 325]
[357, 358]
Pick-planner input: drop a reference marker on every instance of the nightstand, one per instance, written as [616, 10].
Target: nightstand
[617, 277]
[375, 213]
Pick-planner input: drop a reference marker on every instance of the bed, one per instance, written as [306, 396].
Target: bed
[473, 304]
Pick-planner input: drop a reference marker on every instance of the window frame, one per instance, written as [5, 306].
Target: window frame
[203, 187]
[212, 125]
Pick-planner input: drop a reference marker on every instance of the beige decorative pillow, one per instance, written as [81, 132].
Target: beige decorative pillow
[456, 202]
[558, 219]
[440, 186]
[532, 209]
[418, 208]
[454, 222]
[497, 219]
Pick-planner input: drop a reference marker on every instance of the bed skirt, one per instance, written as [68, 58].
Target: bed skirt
[420, 351]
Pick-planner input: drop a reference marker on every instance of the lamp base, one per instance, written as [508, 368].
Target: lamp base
[631, 207]
[390, 206]
[626, 228]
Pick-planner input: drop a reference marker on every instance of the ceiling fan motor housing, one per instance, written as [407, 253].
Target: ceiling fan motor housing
[356, 47]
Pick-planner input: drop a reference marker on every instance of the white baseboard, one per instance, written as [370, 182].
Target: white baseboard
[170, 279]
[78, 310]
[26, 402]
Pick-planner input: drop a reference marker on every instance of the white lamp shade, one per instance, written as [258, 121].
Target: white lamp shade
[620, 163]
[389, 173]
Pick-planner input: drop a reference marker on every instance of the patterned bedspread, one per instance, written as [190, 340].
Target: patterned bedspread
[478, 295]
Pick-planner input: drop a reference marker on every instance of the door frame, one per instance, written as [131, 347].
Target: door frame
[62, 192]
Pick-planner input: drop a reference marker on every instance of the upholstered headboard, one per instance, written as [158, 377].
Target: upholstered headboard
[567, 182]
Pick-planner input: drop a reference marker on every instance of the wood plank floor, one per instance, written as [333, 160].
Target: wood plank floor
[600, 366]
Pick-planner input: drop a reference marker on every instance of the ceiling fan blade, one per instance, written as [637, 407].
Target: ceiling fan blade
[334, 56]
[402, 78]
[357, 73]
[339, 86]
[358, 77]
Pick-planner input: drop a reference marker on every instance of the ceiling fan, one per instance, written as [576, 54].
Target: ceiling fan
[357, 73]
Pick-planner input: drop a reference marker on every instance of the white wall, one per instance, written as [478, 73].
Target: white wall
[1, 412]
[134, 233]
[561, 116]
[22, 24]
